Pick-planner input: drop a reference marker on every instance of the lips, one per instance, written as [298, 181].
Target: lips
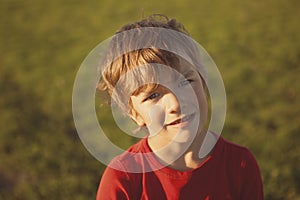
[181, 120]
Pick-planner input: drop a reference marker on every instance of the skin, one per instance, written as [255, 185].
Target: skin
[174, 114]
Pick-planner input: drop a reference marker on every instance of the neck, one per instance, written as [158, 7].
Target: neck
[179, 156]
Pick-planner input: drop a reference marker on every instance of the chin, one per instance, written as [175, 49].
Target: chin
[184, 136]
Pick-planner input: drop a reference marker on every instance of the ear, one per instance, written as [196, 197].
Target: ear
[137, 118]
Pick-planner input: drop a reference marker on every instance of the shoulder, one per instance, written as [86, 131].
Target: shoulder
[131, 160]
[239, 158]
[242, 168]
[236, 158]
[119, 180]
[233, 149]
[245, 170]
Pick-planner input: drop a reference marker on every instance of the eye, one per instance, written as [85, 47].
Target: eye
[185, 82]
[152, 96]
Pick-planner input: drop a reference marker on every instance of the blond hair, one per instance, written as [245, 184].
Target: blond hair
[136, 44]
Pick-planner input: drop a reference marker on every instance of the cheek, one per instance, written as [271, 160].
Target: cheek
[156, 116]
[152, 115]
[195, 95]
[203, 105]
[201, 97]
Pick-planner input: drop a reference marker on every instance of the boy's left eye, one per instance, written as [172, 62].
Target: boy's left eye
[185, 82]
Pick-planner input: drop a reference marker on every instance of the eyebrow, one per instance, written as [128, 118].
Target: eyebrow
[188, 73]
[146, 90]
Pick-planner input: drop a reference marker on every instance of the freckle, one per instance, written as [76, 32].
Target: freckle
[243, 164]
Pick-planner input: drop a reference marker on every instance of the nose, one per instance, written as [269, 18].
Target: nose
[171, 103]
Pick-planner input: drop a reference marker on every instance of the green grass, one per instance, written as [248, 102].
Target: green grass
[256, 45]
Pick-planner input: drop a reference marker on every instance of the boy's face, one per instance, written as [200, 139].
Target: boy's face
[176, 110]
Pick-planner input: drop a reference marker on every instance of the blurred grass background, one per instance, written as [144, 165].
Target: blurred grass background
[255, 44]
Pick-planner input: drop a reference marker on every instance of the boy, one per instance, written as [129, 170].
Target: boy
[152, 70]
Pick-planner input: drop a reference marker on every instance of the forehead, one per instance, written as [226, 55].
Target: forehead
[162, 75]
[147, 77]
[169, 74]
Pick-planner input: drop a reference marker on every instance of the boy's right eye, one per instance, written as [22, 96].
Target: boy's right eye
[152, 96]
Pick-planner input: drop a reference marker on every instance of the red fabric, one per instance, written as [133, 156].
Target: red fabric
[230, 172]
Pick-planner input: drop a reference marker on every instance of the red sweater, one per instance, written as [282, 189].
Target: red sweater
[230, 172]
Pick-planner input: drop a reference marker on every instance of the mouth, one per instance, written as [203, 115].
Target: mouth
[182, 120]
